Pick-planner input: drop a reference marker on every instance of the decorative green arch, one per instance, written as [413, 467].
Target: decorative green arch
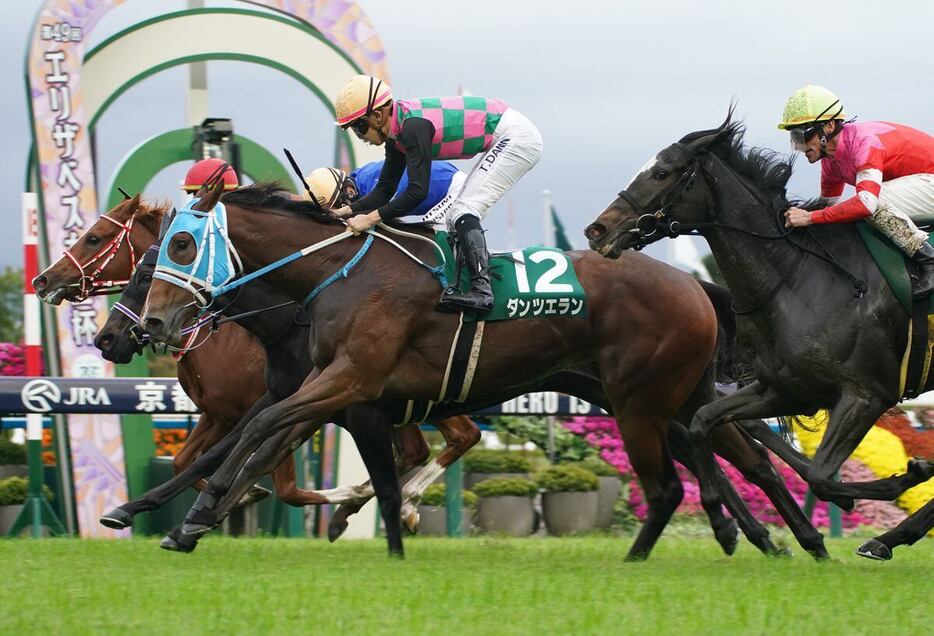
[161, 151]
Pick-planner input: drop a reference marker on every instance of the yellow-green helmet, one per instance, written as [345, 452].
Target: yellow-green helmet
[811, 104]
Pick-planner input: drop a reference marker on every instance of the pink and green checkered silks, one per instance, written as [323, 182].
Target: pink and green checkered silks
[464, 125]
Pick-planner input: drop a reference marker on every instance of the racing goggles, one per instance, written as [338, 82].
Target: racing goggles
[359, 126]
[802, 134]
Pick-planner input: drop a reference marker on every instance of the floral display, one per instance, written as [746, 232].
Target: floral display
[602, 434]
[169, 441]
[12, 359]
[882, 451]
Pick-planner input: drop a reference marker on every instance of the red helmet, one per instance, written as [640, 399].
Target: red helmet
[203, 170]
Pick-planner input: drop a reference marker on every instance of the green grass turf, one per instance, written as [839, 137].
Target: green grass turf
[468, 586]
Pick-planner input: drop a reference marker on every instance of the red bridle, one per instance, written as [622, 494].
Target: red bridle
[90, 284]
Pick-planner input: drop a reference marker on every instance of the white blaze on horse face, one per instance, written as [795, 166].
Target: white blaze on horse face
[645, 168]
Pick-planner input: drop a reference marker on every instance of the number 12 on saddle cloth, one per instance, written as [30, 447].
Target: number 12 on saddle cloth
[535, 282]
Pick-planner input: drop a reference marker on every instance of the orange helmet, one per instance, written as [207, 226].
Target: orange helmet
[204, 170]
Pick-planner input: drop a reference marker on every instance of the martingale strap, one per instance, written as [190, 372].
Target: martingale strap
[341, 273]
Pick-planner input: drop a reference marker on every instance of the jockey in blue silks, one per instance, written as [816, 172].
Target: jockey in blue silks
[333, 188]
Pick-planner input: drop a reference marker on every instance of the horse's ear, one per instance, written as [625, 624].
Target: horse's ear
[167, 219]
[209, 195]
[705, 140]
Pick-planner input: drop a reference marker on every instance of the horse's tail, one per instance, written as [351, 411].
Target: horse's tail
[728, 363]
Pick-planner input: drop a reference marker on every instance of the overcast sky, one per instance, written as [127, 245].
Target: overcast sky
[608, 84]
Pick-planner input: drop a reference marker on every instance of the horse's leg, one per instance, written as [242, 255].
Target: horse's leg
[207, 463]
[907, 532]
[322, 395]
[460, 435]
[756, 400]
[203, 436]
[754, 463]
[411, 450]
[724, 528]
[375, 446]
[373, 440]
[850, 420]
[648, 452]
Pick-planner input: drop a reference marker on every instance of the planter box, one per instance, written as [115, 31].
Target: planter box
[505, 515]
[472, 479]
[569, 512]
[607, 495]
[433, 521]
[8, 515]
[13, 470]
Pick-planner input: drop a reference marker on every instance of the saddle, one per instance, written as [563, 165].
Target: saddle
[916, 361]
[534, 282]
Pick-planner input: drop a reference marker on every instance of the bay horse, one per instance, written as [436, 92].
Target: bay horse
[281, 335]
[824, 328]
[377, 337]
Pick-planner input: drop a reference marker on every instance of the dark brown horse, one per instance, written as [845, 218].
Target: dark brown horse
[377, 336]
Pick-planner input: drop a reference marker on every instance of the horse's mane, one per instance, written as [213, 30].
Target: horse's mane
[766, 169]
[272, 195]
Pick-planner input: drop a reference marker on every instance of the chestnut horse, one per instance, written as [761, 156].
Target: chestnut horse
[377, 336]
[102, 260]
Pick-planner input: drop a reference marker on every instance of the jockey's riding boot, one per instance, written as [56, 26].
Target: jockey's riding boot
[480, 297]
[923, 283]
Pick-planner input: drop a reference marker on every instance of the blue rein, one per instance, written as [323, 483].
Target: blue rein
[341, 273]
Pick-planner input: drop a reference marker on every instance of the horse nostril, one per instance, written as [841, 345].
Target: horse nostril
[104, 341]
[594, 231]
[152, 325]
[39, 283]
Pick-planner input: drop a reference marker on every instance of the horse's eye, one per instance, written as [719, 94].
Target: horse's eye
[660, 174]
[147, 278]
[181, 244]
[93, 240]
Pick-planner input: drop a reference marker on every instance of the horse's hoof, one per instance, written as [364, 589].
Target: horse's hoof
[410, 520]
[118, 519]
[336, 528]
[728, 537]
[254, 494]
[875, 549]
[176, 541]
[921, 468]
[783, 552]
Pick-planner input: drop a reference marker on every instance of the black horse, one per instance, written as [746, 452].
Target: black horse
[825, 330]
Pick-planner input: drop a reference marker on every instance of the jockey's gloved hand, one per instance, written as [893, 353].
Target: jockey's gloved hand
[342, 212]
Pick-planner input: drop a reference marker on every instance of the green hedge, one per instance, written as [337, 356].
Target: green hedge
[494, 461]
[13, 491]
[434, 496]
[599, 467]
[11, 453]
[567, 478]
[516, 487]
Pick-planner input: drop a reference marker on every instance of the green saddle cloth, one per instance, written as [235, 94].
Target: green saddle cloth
[891, 262]
[535, 282]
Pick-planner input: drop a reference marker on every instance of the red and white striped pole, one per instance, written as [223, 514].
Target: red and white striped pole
[33, 350]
